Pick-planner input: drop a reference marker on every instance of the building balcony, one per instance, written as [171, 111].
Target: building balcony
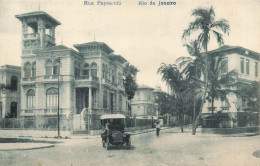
[105, 82]
[86, 81]
[31, 36]
[28, 80]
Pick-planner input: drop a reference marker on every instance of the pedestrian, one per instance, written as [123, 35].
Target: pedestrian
[157, 128]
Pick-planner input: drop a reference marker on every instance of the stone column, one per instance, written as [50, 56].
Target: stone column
[41, 31]
[24, 28]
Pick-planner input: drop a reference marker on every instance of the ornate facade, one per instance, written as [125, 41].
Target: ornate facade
[89, 79]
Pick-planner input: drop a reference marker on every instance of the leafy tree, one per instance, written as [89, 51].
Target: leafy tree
[129, 74]
[251, 93]
[163, 100]
[206, 25]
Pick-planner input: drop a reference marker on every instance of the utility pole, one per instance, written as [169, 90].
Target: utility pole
[58, 97]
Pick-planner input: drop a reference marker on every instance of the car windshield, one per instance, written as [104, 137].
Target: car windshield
[115, 124]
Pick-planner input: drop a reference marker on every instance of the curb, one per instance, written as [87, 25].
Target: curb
[28, 148]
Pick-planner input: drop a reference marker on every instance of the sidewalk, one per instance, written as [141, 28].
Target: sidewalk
[34, 142]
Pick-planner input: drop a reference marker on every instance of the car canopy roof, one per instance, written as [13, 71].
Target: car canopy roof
[113, 116]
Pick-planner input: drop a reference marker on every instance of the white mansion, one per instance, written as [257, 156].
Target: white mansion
[91, 77]
[246, 64]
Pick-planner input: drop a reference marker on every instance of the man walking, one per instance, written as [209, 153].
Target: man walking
[157, 128]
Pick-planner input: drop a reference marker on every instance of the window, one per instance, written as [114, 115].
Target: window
[256, 69]
[113, 76]
[14, 83]
[103, 71]
[120, 103]
[34, 69]
[76, 70]
[56, 67]
[104, 99]
[224, 66]
[242, 64]
[85, 71]
[48, 68]
[247, 66]
[30, 98]
[94, 69]
[27, 70]
[52, 97]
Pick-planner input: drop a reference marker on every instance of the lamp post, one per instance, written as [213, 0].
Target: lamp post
[58, 70]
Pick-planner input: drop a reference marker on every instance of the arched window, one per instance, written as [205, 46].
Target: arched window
[104, 99]
[85, 70]
[94, 69]
[56, 67]
[30, 98]
[120, 103]
[48, 68]
[52, 97]
[27, 70]
[34, 69]
[14, 83]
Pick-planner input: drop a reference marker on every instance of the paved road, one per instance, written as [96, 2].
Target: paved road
[171, 148]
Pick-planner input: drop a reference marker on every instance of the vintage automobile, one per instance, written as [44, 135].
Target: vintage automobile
[114, 131]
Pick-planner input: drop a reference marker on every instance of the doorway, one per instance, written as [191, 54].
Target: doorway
[13, 109]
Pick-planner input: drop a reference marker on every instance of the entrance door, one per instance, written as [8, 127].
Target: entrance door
[13, 109]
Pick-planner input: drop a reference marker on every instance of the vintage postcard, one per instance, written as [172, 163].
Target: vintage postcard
[129, 82]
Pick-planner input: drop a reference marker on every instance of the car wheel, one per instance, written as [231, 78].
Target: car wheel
[107, 144]
[128, 145]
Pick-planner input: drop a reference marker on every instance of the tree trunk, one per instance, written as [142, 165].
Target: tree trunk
[181, 120]
[194, 112]
[194, 127]
[212, 105]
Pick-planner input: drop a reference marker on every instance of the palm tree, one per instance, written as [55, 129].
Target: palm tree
[193, 68]
[219, 81]
[205, 23]
[173, 78]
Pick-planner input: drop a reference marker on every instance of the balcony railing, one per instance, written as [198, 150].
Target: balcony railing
[87, 78]
[225, 108]
[49, 38]
[30, 35]
[27, 79]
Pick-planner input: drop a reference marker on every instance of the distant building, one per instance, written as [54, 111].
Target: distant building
[143, 105]
[246, 63]
[88, 79]
[10, 100]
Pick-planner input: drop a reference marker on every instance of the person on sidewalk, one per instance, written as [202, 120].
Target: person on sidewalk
[157, 128]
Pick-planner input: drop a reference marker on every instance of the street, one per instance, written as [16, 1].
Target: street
[171, 148]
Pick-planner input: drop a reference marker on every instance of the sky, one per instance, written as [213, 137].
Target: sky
[145, 35]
